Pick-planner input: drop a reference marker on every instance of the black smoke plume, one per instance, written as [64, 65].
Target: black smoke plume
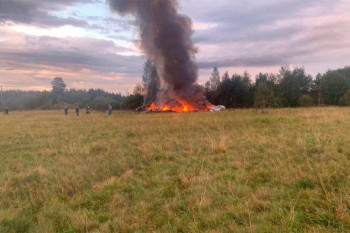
[166, 40]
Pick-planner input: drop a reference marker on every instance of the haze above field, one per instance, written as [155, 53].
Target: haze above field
[87, 45]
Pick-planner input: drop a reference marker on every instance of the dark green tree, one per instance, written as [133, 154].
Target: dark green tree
[225, 76]
[345, 71]
[269, 79]
[316, 89]
[345, 100]
[263, 96]
[334, 85]
[293, 84]
[101, 103]
[214, 79]
[139, 90]
[58, 88]
[132, 101]
[306, 101]
[235, 92]
[151, 82]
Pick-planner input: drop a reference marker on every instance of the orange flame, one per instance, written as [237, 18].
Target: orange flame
[153, 107]
[166, 108]
[181, 108]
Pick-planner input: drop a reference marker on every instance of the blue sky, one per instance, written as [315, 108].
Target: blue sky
[90, 47]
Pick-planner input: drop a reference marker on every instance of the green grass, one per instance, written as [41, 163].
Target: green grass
[239, 171]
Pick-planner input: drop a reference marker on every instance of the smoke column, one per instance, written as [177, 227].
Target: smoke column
[166, 39]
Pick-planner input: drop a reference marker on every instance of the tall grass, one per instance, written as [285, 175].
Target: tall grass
[239, 171]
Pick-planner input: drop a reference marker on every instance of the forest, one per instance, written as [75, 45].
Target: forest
[290, 87]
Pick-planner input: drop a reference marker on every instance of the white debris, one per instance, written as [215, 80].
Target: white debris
[219, 108]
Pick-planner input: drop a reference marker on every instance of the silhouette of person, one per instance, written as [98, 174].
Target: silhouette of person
[110, 109]
[77, 110]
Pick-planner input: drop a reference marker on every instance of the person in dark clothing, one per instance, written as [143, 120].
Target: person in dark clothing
[110, 109]
[77, 109]
[6, 110]
[66, 111]
[88, 110]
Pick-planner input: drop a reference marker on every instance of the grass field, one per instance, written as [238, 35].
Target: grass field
[239, 171]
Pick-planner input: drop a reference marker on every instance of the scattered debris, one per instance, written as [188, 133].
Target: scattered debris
[218, 108]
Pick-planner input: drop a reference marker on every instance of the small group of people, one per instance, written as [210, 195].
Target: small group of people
[77, 110]
[87, 110]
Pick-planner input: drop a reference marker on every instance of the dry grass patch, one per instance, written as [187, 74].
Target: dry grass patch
[240, 171]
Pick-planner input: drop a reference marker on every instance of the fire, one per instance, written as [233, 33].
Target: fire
[166, 108]
[153, 107]
[181, 108]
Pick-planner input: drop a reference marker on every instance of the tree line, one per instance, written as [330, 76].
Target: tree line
[60, 97]
[291, 87]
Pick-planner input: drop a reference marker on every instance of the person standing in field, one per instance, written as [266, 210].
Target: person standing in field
[77, 109]
[66, 111]
[88, 110]
[110, 110]
[6, 110]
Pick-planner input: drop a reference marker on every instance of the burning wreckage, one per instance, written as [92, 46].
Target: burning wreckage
[153, 108]
[166, 40]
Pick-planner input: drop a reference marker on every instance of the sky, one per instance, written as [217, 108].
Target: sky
[87, 45]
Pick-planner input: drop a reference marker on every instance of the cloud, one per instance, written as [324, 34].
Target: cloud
[84, 62]
[39, 12]
[271, 33]
[321, 43]
[41, 39]
[29, 59]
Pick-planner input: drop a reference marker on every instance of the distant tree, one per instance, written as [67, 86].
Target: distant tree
[132, 101]
[316, 89]
[210, 94]
[214, 79]
[269, 79]
[293, 84]
[291, 87]
[139, 90]
[225, 76]
[345, 71]
[79, 97]
[246, 75]
[271, 82]
[58, 88]
[207, 86]
[334, 86]
[304, 79]
[263, 96]
[345, 100]
[234, 92]
[306, 101]
[248, 94]
[151, 82]
[101, 103]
